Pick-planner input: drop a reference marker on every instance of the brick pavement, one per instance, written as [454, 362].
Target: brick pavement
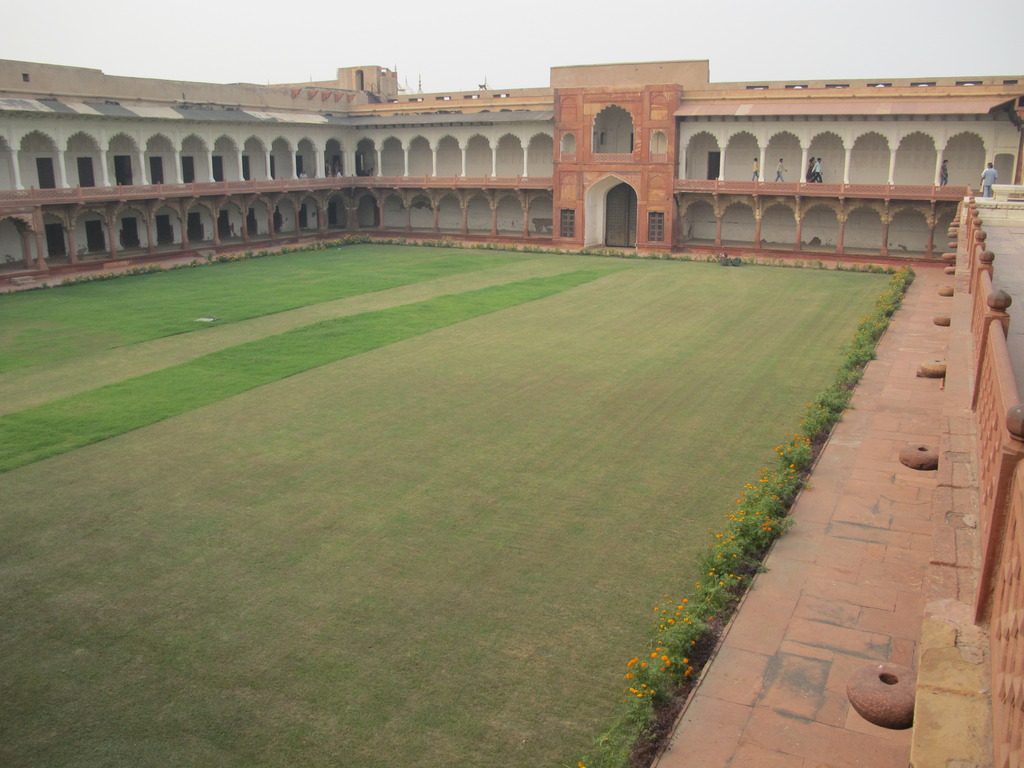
[845, 587]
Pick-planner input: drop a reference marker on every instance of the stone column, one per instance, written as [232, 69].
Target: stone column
[62, 170]
[682, 163]
[494, 217]
[885, 235]
[111, 235]
[15, 169]
[463, 162]
[804, 153]
[321, 171]
[143, 176]
[846, 165]
[892, 165]
[433, 161]
[177, 167]
[266, 164]
[721, 167]
[799, 233]
[405, 161]
[464, 204]
[104, 173]
[761, 165]
[718, 229]
[526, 161]
[840, 247]
[494, 161]
[938, 170]
[294, 153]
[757, 227]
[69, 243]
[209, 166]
[150, 229]
[238, 160]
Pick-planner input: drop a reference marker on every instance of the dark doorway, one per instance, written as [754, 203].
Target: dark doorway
[195, 227]
[278, 220]
[620, 217]
[298, 166]
[122, 170]
[218, 168]
[303, 217]
[188, 169]
[714, 164]
[94, 239]
[130, 232]
[223, 225]
[332, 213]
[245, 167]
[164, 230]
[156, 170]
[56, 245]
[85, 174]
[250, 222]
[44, 167]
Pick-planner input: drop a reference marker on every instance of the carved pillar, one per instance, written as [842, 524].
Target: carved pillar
[721, 167]
[69, 242]
[719, 214]
[183, 223]
[464, 205]
[433, 160]
[885, 232]
[799, 215]
[524, 203]
[238, 160]
[892, 165]
[760, 163]
[111, 223]
[151, 228]
[177, 167]
[405, 161]
[757, 225]
[294, 154]
[494, 215]
[463, 174]
[804, 162]
[266, 164]
[494, 160]
[840, 242]
[846, 165]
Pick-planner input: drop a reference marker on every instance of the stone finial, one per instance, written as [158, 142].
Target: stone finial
[1015, 421]
[942, 321]
[977, 222]
[950, 270]
[945, 290]
[986, 257]
[999, 300]
[981, 235]
[949, 256]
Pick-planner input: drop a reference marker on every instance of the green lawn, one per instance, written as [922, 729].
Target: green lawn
[440, 551]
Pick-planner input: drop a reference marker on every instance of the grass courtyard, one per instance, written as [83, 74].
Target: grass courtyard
[397, 506]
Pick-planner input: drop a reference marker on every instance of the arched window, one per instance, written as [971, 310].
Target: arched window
[613, 131]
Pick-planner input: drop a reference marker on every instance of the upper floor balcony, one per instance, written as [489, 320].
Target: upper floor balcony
[806, 189]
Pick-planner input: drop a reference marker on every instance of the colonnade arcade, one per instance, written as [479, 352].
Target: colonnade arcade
[84, 159]
[69, 234]
[881, 227]
[848, 156]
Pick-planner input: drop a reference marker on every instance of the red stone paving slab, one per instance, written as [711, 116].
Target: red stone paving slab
[707, 734]
[844, 588]
[827, 745]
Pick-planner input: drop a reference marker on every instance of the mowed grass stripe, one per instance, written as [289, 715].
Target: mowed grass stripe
[62, 425]
[43, 326]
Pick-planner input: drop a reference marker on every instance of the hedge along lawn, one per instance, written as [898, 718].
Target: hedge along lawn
[43, 326]
[440, 552]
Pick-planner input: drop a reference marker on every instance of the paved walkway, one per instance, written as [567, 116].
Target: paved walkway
[844, 587]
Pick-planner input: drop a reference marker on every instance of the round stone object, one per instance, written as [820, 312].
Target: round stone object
[932, 369]
[920, 457]
[949, 270]
[883, 694]
[945, 290]
[942, 320]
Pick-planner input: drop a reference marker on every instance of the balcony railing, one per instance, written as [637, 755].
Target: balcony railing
[803, 189]
[198, 189]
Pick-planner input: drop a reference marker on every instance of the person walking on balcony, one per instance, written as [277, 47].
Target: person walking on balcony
[944, 174]
[779, 170]
[757, 170]
[809, 176]
[988, 178]
[816, 171]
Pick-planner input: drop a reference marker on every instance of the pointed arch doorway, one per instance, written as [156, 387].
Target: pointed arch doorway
[611, 214]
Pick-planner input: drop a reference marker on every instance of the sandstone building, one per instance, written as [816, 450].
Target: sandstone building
[654, 156]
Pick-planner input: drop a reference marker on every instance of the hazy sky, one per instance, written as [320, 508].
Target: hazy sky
[457, 44]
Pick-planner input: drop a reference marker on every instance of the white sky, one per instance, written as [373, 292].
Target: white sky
[456, 44]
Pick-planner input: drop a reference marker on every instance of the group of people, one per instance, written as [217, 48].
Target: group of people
[813, 170]
[813, 175]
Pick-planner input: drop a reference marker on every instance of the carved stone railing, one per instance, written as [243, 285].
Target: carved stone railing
[790, 188]
[264, 186]
[1000, 450]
